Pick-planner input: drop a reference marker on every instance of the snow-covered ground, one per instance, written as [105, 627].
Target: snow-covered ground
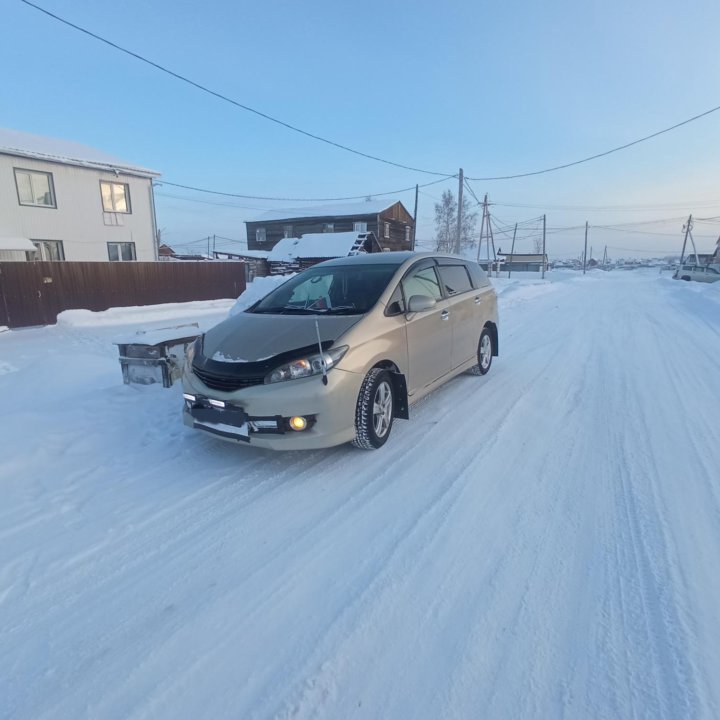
[542, 542]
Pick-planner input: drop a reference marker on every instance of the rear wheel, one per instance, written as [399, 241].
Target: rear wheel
[374, 411]
[484, 354]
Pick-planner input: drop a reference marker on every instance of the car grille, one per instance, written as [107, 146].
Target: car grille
[226, 383]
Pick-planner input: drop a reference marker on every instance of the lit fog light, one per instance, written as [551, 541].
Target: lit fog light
[216, 403]
[298, 423]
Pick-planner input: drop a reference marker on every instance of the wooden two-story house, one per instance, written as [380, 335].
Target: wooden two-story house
[390, 222]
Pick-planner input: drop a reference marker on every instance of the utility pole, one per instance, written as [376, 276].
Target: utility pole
[512, 251]
[585, 250]
[543, 255]
[604, 257]
[460, 203]
[687, 232]
[491, 239]
[482, 231]
[213, 255]
[412, 247]
[208, 251]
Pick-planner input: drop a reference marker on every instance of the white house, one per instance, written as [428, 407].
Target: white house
[60, 200]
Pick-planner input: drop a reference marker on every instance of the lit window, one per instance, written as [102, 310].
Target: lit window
[121, 251]
[115, 197]
[35, 188]
[260, 235]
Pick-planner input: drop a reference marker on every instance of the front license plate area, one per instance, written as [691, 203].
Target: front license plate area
[228, 422]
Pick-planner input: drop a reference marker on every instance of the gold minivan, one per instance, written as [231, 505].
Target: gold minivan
[340, 350]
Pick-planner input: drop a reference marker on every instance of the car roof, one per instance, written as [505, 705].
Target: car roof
[390, 258]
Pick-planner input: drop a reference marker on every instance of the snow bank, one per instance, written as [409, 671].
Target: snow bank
[257, 290]
[138, 313]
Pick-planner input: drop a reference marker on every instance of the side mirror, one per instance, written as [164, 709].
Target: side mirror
[421, 303]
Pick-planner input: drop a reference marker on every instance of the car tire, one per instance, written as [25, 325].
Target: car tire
[374, 410]
[484, 354]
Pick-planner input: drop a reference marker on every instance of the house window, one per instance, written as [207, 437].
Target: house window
[386, 232]
[35, 188]
[115, 197]
[407, 234]
[121, 251]
[359, 227]
[329, 227]
[47, 250]
[260, 235]
[287, 231]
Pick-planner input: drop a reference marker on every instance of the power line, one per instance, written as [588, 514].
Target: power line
[220, 96]
[599, 155]
[288, 199]
[209, 202]
[668, 252]
[338, 145]
[603, 208]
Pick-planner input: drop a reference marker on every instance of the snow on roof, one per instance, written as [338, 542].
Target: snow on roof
[38, 147]
[314, 245]
[368, 207]
[16, 243]
[259, 254]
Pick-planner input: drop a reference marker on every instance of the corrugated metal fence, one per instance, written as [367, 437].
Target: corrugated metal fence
[33, 293]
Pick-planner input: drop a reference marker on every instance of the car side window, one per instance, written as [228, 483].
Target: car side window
[396, 304]
[455, 279]
[479, 278]
[422, 282]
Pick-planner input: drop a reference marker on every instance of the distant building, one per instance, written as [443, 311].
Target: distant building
[60, 200]
[295, 254]
[390, 222]
[523, 263]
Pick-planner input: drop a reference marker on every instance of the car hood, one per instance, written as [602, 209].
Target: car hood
[251, 337]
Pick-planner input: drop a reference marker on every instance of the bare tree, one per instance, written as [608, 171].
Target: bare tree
[446, 223]
[538, 245]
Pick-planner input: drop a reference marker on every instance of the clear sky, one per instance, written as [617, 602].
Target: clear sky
[494, 88]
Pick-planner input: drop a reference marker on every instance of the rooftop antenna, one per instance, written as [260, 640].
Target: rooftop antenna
[322, 355]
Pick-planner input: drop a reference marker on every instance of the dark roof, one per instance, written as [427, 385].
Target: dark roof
[356, 209]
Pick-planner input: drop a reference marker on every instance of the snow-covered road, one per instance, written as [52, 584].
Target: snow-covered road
[542, 542]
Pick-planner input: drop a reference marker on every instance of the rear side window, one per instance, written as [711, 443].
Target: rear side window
[479, 278]
[455, 279]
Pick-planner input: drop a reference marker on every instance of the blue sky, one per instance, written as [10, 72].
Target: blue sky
[495, 88]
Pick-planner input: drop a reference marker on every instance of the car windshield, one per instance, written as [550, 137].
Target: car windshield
[329, 290]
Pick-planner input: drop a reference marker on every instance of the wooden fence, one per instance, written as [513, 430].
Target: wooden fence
[33, 293]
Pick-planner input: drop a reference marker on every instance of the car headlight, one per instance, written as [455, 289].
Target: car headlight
[190, 352]
[307, 366]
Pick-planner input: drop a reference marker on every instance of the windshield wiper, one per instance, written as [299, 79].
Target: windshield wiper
[290, 310]
[345, 310]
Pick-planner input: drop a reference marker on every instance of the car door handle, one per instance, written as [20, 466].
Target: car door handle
[444, 314]
[478, 300]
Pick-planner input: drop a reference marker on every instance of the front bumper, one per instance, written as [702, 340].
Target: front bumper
[330, 408]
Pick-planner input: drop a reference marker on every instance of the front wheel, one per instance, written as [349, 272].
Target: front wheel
[484, 354]
[374, 410]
